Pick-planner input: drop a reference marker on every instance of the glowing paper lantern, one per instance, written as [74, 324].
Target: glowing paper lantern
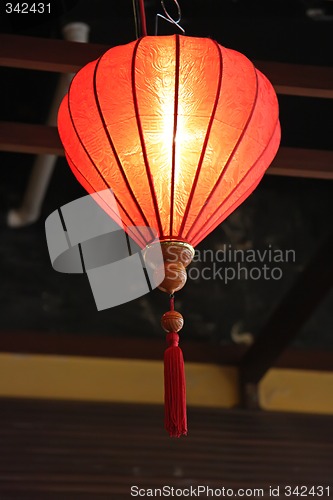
[180, 128]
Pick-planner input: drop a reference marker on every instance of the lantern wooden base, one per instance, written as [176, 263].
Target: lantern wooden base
[177, 256]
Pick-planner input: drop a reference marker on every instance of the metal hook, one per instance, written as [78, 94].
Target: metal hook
[168, 18]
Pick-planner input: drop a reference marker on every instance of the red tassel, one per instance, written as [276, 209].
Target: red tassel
[174, 388]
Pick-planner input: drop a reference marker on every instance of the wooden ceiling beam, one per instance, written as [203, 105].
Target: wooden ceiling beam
[68, 57]
[114, 347]
[42, 139]
[298, 162]
[106, 346]
[299, 79]
[30, 138]
[47, 54]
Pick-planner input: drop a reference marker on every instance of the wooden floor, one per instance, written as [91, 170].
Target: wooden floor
[80, 451]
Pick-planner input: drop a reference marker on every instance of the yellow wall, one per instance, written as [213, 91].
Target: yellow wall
[138, 381]
[297, 390]
[118, 380]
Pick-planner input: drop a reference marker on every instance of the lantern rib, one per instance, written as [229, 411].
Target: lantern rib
[232, 154]
[107, 185]
[97, 192]
[115, 154]
[142, 141]
[205, 144]
[234, 206]
[175, 124]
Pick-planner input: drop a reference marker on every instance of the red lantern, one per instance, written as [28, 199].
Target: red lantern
[180, 128]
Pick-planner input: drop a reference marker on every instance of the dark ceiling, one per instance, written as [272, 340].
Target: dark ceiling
[284, 212]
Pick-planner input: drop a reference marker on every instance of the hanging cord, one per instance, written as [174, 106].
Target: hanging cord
[143, 18]
[172, 302]
[136, 20]
[139, 18]
[167, 17]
